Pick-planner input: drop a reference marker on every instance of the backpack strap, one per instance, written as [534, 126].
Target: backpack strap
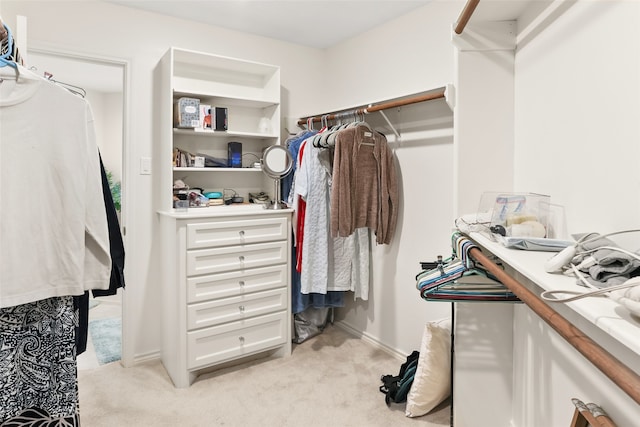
[389, 387]
[396, 387]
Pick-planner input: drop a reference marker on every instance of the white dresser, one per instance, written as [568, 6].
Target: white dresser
[225, 270]
[225, 287]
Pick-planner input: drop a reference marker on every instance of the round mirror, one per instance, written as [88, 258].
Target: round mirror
[277, 163]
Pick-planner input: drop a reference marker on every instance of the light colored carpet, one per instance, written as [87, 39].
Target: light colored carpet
[329, 380]
[106, 338]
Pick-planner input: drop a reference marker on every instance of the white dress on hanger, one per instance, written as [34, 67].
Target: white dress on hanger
[328, 264]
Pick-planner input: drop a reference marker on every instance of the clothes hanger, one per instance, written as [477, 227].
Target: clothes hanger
[359, 121]
[362, 121]
[462, 284]
[77, 90]
[368, 132]
[331, 137]
[318, 136]
[459, 278]
[355, 119]
[330, 140]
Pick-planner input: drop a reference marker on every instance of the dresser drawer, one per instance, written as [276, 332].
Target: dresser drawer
[217, 260]
[226, 233]
[203, 288]
[231, 340]
[223, 310]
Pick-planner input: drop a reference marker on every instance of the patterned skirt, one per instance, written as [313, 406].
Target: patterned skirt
[38, 371]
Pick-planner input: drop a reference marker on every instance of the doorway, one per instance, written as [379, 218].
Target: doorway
[102, 83]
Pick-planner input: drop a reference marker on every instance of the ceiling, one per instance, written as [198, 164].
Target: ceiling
[312, 23]
[319, 24]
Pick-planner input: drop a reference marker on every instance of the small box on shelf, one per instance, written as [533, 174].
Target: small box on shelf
[205, 117]
[220, 118]
[186, 113]
[234, 158]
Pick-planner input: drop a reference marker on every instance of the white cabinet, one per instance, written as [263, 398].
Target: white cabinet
[225, 289]
[224, 270]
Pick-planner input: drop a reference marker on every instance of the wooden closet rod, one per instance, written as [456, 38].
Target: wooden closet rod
[616, 371]
[436, 94]
[466, 13]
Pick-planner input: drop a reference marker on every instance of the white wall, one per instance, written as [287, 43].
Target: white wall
[577, 138]
[107, 112]
[483, 161]
[578, 113]
[97, 29]
[408, 55]
[411, 54]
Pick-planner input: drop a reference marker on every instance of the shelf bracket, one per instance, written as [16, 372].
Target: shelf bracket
[393, 129]
[450, 95]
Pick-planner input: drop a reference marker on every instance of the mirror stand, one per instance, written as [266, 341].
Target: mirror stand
[277, 202]
[276, 164]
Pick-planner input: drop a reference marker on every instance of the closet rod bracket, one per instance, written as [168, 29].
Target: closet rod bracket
[450, 95]
[393, 129]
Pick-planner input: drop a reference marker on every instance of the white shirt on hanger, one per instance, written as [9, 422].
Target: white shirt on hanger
[54, 237]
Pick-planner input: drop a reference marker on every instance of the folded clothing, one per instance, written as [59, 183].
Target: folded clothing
[606, 267]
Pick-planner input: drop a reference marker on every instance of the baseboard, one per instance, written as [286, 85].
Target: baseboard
[368, 338]
[146, 357]
[364, 336]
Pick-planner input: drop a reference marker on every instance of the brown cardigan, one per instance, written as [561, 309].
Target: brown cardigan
[364, 191]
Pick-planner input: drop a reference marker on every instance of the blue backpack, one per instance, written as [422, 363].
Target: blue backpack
[396, 387]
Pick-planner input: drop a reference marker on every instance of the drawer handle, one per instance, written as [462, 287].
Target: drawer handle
[241, 340]
[241, 233]
[241, 258]
[241, 283]
[241, 308]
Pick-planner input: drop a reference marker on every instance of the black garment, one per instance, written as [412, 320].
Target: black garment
[81, 306]
[116, 248]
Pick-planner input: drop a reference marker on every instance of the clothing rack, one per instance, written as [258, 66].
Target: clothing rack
[616, 371]
[431, 95]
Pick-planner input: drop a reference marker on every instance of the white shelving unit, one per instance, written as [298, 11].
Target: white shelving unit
[250, 92]
[225, 270]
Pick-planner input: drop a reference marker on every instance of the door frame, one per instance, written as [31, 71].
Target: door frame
[127, 352]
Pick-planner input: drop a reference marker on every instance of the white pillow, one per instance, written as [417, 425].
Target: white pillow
[432, 381]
